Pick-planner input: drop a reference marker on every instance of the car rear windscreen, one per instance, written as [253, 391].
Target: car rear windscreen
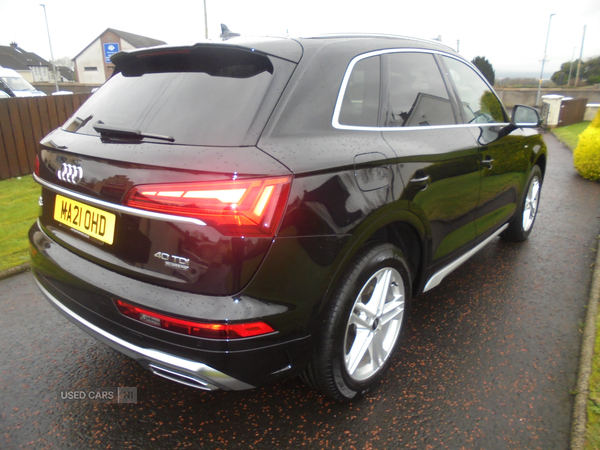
[212, 95]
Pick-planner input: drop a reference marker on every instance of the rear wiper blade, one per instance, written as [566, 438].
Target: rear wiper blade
[123, 132]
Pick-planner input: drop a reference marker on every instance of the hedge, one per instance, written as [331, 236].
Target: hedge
[586, 156]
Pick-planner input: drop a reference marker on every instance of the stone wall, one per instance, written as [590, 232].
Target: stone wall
[526, 96]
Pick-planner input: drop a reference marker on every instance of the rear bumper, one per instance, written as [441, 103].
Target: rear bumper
[168, 366]
[84, 292]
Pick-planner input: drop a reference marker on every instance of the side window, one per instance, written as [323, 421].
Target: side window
[478, 101]
[360, 106]
[417, 95]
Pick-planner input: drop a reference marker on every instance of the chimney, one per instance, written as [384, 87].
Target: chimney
[14, 45]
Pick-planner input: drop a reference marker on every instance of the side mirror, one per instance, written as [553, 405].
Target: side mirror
[525, 117]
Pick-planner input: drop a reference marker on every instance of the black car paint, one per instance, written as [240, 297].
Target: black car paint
[132, 252]
[349, 187]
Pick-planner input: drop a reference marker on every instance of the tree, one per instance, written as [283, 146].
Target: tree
[561, 77]
[589, 72]
[64, 61]
[485, 68]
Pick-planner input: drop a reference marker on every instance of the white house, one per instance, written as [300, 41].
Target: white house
[92, 64]
[30, 66]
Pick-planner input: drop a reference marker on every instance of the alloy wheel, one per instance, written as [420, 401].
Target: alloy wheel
[374, 324]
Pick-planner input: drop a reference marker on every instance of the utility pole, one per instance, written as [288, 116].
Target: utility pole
[580, 56]
[537, 99]
[457, 46]
[51, 54]
[205, 22]
[571, 66]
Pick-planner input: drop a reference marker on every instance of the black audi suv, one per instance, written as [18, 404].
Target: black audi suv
[231, 213]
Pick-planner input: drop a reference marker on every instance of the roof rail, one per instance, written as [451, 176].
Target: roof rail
[375, 35]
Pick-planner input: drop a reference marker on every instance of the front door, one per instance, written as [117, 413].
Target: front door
[504, 160]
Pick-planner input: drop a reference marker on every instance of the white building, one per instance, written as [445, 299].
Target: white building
[92, 64]
[30, 66]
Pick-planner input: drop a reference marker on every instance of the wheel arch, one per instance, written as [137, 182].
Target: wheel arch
[404, 236]
[400, 228]
[541, 162]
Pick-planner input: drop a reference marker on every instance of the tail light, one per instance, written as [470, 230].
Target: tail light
[200, 329]
[252, 207]
[36, 169]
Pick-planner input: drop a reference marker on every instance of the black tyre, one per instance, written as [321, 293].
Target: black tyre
[521, 224]
[363, 324]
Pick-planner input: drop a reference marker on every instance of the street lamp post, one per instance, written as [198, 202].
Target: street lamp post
[205, 22]
[51, 54]
[537, 100]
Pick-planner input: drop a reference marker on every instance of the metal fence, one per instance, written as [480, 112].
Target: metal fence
[23, 124]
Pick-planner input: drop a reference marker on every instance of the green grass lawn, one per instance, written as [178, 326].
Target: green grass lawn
[593, 410]
[570, 135]
[18, 209]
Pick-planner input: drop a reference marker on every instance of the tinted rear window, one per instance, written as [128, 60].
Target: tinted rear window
[361, 99]
[212, 96]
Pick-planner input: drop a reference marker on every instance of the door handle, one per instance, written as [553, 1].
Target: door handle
[487, 162]
[423, 181]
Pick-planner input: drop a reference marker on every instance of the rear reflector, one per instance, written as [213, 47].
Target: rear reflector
[200, 329]
[252, 207]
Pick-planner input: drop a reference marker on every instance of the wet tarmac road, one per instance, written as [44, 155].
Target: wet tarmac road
[488, 362]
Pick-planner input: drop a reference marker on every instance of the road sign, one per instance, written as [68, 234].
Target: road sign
[110, 49]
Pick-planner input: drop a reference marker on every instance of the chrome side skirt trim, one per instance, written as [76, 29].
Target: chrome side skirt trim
[114, 207]
[440, 275]
[180, 370]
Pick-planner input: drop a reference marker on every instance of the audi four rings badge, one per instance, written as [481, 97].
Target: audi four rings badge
[70, 173]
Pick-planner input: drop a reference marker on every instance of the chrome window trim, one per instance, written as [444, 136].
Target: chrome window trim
[432, 127]
[335, 121]
[118, 208]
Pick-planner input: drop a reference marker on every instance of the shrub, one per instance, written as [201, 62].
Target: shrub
[586, 156]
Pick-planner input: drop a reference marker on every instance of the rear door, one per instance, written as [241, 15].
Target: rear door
[438, 160]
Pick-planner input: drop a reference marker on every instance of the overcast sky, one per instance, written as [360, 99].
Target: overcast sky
[510, 33]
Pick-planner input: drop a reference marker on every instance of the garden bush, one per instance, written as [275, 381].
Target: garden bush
[586, 156]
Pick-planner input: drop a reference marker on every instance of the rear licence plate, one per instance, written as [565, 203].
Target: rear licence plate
[92, 221]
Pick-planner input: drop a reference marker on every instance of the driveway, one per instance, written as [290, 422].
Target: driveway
[488, 362]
